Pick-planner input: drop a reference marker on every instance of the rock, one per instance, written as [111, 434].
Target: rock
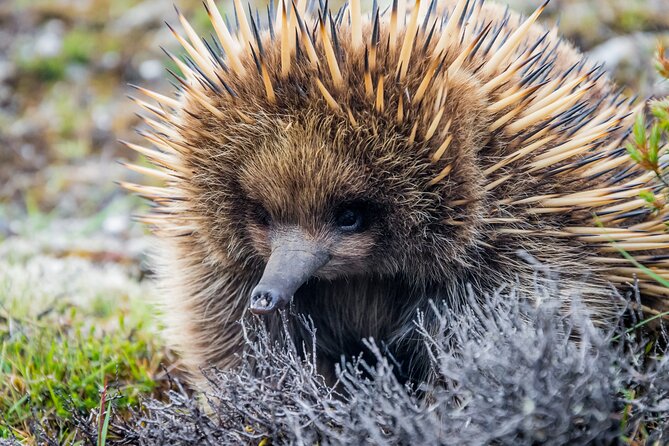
[49, 41]
[151, 69]
[145, 15]
[633, 48]
[631, 59]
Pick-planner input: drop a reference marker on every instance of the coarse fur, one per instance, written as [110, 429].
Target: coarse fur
[467, 133]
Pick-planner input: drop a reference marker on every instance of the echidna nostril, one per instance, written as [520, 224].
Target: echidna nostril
[267, 300]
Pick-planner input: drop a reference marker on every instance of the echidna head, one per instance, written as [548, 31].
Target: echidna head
[314, 207]
[306, 195]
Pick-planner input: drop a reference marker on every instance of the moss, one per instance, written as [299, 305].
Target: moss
[78, 46]
[48, 69]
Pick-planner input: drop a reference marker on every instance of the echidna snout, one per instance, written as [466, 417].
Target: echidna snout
[294, 259]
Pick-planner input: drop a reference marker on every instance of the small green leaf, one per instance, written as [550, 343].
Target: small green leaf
[105, 426]
[640, 130]
[655, 138]
[647, 196]
[659, 110]
[634, 153]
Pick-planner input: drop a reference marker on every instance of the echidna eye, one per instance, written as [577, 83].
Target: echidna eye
[350, 220]
[264, 218]
[261, 216]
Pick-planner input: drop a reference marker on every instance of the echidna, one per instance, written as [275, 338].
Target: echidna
[359, 166]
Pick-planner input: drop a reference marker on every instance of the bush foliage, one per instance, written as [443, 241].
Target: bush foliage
[509, 369]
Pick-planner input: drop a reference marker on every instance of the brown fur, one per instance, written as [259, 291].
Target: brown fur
[294, 160]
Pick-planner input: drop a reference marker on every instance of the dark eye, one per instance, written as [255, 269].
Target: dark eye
[350, 219]
[261, 216]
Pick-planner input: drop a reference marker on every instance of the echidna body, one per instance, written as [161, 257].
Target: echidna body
[358, 166]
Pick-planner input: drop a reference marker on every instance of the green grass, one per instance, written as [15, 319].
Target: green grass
[66, 337]
[57, 369]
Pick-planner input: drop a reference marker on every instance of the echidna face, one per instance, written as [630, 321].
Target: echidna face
[309, 197]
[306, 200]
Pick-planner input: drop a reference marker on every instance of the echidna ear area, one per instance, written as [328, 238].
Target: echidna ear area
[562, 124]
